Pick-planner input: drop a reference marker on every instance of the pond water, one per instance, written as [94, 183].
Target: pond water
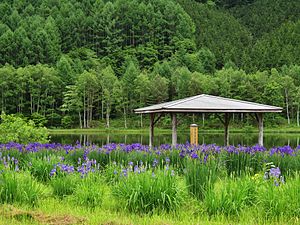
[270, 139]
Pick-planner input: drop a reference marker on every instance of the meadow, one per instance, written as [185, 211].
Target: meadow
[133, 184]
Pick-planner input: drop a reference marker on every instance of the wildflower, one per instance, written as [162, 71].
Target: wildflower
[153, 174]
[155, 162]
[136, 169]
[167, 167]
[205, 158]
[276, 183]
[167, 160]
[125, 174]
[275, 172]
[194, 155]
[172, 173]
[52, 172]
[182, 154]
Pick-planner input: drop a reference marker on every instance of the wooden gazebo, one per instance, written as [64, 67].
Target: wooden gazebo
[206, 104]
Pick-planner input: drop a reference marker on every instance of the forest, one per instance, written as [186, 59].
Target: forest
[68, 63]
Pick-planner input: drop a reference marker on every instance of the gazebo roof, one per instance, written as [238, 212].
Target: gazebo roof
[208, 103]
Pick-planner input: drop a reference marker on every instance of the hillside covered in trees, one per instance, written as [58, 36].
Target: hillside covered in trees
[70, 63]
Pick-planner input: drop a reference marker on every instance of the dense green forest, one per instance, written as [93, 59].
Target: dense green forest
[69, 63]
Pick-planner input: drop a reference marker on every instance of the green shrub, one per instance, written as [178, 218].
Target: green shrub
[20, 188]
[16, 129]
[146, 192]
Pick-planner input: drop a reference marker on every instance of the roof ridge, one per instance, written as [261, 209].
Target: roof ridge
[183, 100]
[243, 101]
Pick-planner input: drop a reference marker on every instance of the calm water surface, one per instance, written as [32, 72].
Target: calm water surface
[270, 139]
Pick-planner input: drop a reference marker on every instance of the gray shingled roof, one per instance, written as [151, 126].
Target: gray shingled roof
[208, 103]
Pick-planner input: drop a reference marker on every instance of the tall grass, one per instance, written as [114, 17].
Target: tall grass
[230, 196]
[64, 185]
[282, 200]
[288, 164]
[200, 176]
[241, 163]
[20, 188]
[90, 191]
[40, 168]
[147, 192]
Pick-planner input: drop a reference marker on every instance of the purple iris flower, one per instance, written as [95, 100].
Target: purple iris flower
[194, 155]
[275, 172]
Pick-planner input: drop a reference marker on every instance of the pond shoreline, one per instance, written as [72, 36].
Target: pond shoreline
[293, 130]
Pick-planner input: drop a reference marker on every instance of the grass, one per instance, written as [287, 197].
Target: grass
[138, 186]
[64, 212]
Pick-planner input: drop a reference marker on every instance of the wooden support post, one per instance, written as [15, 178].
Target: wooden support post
[226, 129]
[174, 129]
[151, 134]
[260, 129]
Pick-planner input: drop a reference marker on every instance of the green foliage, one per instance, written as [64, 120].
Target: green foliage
[16, 129]
[67, 63]
[41, 167]
[218, 31]
[89, 192]
[272, 14]
[20, 188]
[280, 200]
[231, 197]
[238, 164]
[149, 191]
[64, 185]
[200, 176]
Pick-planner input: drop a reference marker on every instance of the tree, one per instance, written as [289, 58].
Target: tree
[87, 84]
[142, 90]
[158, 89]
[65, 70]
[7, 47]
[53, 49]
[72, 102]
[181, 82]
[108, 83]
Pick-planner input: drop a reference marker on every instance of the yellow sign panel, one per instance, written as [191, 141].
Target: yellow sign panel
[194, 134]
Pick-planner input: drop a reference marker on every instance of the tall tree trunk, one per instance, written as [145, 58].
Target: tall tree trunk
[31, 104]
[107, 115]
[125, 117]
[80, 122]
[84, 111]
[287, 106]
[102, 108]
[91, 109]
[298, 115]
